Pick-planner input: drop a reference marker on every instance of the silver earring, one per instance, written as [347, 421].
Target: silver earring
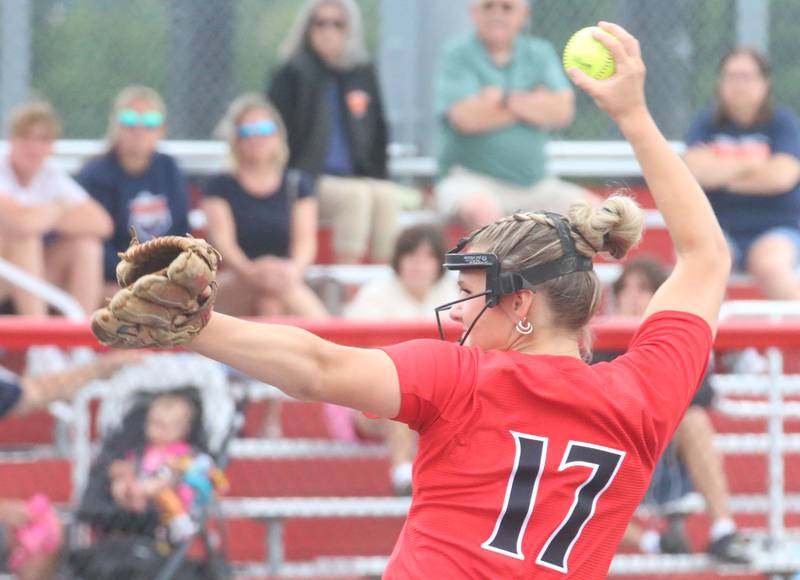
[524, 326]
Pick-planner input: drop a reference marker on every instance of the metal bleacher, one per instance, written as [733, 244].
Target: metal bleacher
[274, 514]
[595, 159]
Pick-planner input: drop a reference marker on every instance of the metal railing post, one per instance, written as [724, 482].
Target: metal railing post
[775, 453]
[275, 551]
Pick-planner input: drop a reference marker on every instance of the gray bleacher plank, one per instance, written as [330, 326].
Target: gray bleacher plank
[369, 507]
[728, 444]
[602, 159]
[314, 507]
[302, 448]
[765, 562]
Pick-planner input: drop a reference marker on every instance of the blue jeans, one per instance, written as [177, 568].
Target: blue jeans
[740, 245]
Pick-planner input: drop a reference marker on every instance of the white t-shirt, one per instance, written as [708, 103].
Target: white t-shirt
[387, 299]
[49, 185]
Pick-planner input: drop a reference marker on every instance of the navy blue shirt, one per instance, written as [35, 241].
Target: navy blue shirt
[338, 160]
[263, 223]
[750, 215]
[155, 202]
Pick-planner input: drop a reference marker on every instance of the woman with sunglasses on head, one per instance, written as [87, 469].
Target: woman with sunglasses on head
[328, 94]
[263, 218]
[140, 187]
[530, 461]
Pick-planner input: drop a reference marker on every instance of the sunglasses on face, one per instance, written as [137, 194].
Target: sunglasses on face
[263, 128]
[336, 24]
[505, 7]
[148, 119]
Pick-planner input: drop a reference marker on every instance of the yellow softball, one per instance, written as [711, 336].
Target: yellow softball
[584, 52]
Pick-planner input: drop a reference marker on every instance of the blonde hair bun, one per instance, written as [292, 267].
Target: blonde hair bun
[614, 227]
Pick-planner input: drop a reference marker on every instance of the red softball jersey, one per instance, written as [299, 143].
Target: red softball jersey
[531, 466]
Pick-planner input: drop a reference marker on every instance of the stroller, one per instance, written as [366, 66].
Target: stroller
[133, 545]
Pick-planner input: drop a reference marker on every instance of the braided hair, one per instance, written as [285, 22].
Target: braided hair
[526, 239]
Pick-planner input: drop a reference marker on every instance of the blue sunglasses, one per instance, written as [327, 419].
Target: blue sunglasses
[263, 128]
[149, 119]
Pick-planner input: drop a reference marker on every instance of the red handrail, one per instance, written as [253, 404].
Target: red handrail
[17, 332]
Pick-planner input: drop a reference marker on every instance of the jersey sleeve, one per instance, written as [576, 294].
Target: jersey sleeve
[666, 361]
[433, 374]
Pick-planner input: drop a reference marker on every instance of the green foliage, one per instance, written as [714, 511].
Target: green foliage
[549, 22]
[85, 51]
[784, 15]
[260, 29]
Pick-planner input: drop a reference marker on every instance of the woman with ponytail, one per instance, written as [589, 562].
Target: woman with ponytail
[531, 462]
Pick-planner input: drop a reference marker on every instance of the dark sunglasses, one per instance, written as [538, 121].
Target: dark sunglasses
[148, 119]
[334, 23]
[263, 128]
[506, 7]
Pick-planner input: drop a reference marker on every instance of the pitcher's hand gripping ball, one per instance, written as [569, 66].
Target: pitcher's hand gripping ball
[168, 290]
[583, 51]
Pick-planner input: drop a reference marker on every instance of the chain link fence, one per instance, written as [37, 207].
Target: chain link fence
[300, 501]
[79, 53]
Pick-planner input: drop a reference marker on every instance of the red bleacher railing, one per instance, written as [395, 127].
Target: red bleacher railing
[17, 333]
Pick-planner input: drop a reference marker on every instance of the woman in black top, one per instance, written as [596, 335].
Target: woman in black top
[327, 92]
[262, 218]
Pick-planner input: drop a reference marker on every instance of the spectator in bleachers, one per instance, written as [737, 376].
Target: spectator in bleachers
[746, 155]
[691, 459]
[49, 226]
[328, 94]
[34, 552]
[419, 284]
[499, 93]
[263, 218]
[140, 187]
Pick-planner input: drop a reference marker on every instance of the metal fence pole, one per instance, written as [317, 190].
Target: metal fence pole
[752, 24]
[397, 55]
[275, 550]
[667, 57]
[201, 63]
[775, 455]
[15, 55]
[413, 33]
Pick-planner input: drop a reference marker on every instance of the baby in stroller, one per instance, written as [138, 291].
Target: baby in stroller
[151, 486]
[169, 472]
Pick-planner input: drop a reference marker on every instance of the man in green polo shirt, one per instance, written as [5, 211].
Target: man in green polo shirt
[498, 93]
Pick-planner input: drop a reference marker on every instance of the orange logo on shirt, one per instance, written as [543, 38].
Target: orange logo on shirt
[358, 102]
